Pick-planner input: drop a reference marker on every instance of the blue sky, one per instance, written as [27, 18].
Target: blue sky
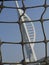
[11, 32]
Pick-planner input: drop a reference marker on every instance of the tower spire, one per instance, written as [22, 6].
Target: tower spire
[28, 32]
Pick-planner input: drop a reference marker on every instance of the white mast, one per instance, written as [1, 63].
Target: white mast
[28, 31]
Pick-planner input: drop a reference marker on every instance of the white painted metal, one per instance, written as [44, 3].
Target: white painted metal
[30, 34]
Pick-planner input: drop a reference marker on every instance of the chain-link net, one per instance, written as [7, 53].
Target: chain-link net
[43, 61]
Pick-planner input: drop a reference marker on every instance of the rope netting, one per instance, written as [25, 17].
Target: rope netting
[45, 60]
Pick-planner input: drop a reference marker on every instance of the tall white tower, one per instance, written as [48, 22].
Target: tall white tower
[28, 32]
